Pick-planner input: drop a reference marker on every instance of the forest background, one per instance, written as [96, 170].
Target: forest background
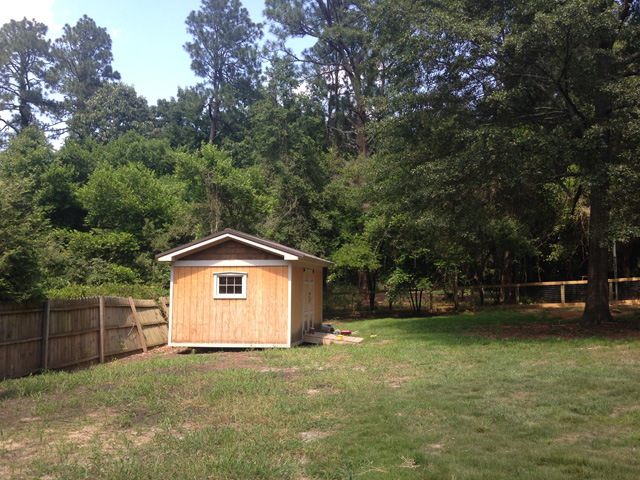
[415, 144]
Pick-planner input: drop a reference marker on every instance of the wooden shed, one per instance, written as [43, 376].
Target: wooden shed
[231, 289]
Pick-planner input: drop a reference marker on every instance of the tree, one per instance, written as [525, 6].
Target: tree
[285, 141]
[345, 58]
[20, 242]
[24, 62]
[364, 252]
[549, 84]
[112, 111]
[82, 62]
[221, 195]
[181, 119]
[126, 198]
[225, 53]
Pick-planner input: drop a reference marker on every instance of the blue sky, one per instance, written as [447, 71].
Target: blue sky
[147, 35]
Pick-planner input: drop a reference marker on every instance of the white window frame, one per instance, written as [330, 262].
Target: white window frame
[237, 296]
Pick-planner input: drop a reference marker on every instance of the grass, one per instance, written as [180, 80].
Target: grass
[426, 398]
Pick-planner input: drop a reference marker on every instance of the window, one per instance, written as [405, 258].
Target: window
[230, 285]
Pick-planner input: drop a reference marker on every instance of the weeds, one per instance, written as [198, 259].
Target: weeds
[422, 398]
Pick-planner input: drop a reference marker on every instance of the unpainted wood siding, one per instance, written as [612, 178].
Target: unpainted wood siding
[296, 304]
[261, 318]
[317, 293]
[231, 250]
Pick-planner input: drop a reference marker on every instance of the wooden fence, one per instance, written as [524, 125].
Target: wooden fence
[61, 334]
[622, 291]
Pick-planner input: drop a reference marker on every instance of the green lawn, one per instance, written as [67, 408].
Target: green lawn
[426, 398]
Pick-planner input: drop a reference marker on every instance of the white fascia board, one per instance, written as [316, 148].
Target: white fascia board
[170, 307]
[290, 302]
[230, 263]
[213, 241]
[312, 263]
[230, 345]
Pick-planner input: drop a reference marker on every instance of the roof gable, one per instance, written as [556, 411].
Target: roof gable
[231, 250]
[286, 253]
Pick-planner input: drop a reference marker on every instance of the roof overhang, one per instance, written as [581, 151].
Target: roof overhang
[286, 253]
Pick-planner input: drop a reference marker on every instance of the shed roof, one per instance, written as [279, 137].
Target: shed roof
[228, 234]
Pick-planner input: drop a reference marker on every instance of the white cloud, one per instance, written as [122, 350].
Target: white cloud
[114, 33]
[41, 10]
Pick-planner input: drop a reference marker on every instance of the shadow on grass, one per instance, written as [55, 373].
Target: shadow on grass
[504, 325]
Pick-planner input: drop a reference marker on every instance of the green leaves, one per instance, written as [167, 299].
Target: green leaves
[125, 198]
[24, 63]
[110, 113]
[222, 195]
[83, 62]
[224, 52]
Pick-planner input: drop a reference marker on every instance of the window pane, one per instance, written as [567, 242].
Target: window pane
[230, 286]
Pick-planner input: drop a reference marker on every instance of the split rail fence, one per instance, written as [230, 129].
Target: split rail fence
[61, 333]
[622, 291]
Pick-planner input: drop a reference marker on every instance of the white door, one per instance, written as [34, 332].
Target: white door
[307, 300]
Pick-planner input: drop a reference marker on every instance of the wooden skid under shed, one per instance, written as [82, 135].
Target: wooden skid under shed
[327, 338]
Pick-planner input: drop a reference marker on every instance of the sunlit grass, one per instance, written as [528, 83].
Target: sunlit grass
[423, 398]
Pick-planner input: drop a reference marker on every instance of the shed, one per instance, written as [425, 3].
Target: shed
[231, 289]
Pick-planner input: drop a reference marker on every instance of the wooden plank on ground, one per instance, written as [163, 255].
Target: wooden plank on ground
[328, 338]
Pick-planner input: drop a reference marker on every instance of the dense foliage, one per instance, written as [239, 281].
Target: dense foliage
[417, 145]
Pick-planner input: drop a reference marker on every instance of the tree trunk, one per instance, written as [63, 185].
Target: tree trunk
[359, 125]
[596, 308]
[456, 300]
[214, 115]
[371, 285]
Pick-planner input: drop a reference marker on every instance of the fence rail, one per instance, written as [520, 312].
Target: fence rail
[59, 334]
[621, 290]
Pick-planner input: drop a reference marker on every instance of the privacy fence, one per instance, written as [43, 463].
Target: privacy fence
[61, 334]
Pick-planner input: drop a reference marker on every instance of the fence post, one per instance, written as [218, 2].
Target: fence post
[138, 325]
[45, 335]
[101, 321]
[562, 294]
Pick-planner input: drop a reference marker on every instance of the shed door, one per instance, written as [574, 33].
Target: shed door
[307, 300]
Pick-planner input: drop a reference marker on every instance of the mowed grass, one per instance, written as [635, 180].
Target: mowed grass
[426, 398]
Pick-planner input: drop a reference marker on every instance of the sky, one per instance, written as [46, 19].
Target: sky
[147, 35]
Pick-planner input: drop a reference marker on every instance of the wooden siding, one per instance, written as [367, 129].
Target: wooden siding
[198, 318]
[231, 250]
[317, 293]
[296, 304]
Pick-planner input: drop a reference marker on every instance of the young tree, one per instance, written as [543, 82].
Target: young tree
[224, 53]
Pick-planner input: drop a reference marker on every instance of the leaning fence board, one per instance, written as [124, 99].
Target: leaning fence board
[136, 319]
[74, 332]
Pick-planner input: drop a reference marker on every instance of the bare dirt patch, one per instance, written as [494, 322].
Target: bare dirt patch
[229, 360]
[312, 435]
